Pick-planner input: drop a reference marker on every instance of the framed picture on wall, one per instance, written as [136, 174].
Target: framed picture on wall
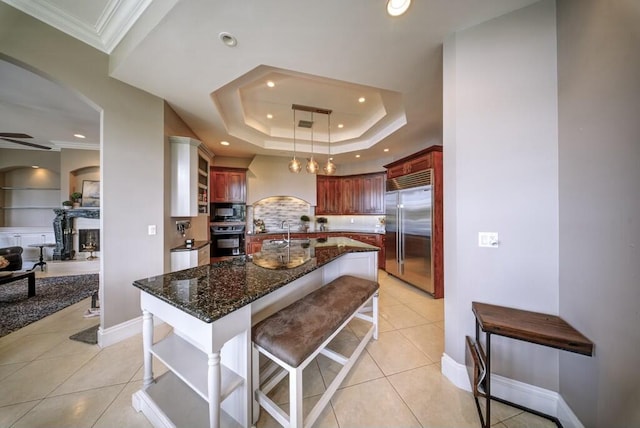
[90, 193]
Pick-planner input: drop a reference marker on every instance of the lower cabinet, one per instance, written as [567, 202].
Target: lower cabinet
[374, 239]
[186, 259]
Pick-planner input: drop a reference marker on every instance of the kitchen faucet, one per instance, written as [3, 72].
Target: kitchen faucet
[288, 223]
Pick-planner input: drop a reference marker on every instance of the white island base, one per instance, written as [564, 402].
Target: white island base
[210, 363]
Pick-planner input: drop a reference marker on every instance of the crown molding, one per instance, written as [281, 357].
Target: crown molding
[117, 17]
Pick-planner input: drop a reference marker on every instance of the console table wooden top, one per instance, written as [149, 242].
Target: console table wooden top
[534, 327]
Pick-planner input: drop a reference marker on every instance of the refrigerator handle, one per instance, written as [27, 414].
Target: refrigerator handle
[400, 242]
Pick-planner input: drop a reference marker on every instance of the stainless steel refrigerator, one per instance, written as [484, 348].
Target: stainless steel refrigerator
[408, 227]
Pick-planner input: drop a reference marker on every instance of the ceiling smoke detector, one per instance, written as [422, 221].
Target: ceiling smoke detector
[228, 39]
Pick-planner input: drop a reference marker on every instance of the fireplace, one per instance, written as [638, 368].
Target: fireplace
[65, 229]
[89, 240]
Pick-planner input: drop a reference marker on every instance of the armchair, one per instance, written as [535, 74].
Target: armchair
[14, 256]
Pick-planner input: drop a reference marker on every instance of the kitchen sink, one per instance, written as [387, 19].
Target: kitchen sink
[277, 254]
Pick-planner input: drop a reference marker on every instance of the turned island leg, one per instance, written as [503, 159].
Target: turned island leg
[147, 343]
[214, 386]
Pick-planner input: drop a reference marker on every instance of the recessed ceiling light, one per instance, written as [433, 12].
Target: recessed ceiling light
[228, 39]
[361, 99]
[386, 150]
[271, 84]
[357, 156]
[78, 135]
[35, 166]
[340, 125]
[397, 7]
[269, 116]
[224, 143]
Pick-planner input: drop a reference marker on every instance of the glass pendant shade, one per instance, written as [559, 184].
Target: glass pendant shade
[295, 165]
[330, 167]
[312, 166]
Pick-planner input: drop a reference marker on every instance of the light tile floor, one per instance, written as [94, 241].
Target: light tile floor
[47, 380]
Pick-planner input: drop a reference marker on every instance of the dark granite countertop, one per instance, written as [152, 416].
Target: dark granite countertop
[328, 232]
[213, 291]
[196, 246]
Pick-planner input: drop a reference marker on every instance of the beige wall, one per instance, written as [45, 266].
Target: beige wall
[599, 152]
[501, 175]
[131, 156]
[76, 166]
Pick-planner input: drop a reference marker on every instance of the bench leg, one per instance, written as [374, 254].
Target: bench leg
[295, 398]
[375, 315]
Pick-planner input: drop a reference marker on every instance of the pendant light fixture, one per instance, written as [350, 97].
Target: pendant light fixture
[330, 167]
[312, 165]
[294, 164]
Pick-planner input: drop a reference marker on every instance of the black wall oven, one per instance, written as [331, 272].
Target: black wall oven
[227, 229]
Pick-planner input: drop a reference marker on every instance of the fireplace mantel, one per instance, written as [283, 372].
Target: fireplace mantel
[63, 227]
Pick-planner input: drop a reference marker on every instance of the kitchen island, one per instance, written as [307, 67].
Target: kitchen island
[212, 308]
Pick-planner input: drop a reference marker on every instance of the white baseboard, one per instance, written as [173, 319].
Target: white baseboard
[533, 397]
[566, 415]
[122, 331]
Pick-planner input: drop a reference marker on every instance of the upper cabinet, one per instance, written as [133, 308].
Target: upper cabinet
[189, 178]
[420, 161]
[351, 194]
[328, 194]
[228, 185]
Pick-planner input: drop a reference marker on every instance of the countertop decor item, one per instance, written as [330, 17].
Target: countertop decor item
[259, 225]
[304, 225]
[322, 221]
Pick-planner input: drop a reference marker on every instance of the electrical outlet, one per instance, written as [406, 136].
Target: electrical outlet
[151, 229]
[488, 239]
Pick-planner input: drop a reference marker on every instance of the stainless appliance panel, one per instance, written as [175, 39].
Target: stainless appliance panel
[416, 221]
[392, 261]
[408, 236]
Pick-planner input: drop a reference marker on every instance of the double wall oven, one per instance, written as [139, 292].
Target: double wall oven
[227, 229]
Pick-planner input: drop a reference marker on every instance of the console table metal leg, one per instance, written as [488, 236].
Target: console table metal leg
[487, 387]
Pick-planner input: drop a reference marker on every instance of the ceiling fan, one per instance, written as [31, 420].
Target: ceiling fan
[11, 137]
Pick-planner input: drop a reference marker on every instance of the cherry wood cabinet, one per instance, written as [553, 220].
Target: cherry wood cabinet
[372, 194]
[228, 185]
[414, 163]
[329, 192]
[351, 194]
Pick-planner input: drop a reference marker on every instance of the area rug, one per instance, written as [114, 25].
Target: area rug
[89, 335]
[52, 295]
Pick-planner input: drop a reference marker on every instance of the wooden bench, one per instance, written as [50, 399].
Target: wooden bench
[295, 335]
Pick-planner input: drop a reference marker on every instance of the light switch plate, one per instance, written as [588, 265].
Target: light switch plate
[152, 229]
[488, 239]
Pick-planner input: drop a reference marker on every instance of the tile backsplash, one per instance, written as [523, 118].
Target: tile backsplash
[276, 209]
